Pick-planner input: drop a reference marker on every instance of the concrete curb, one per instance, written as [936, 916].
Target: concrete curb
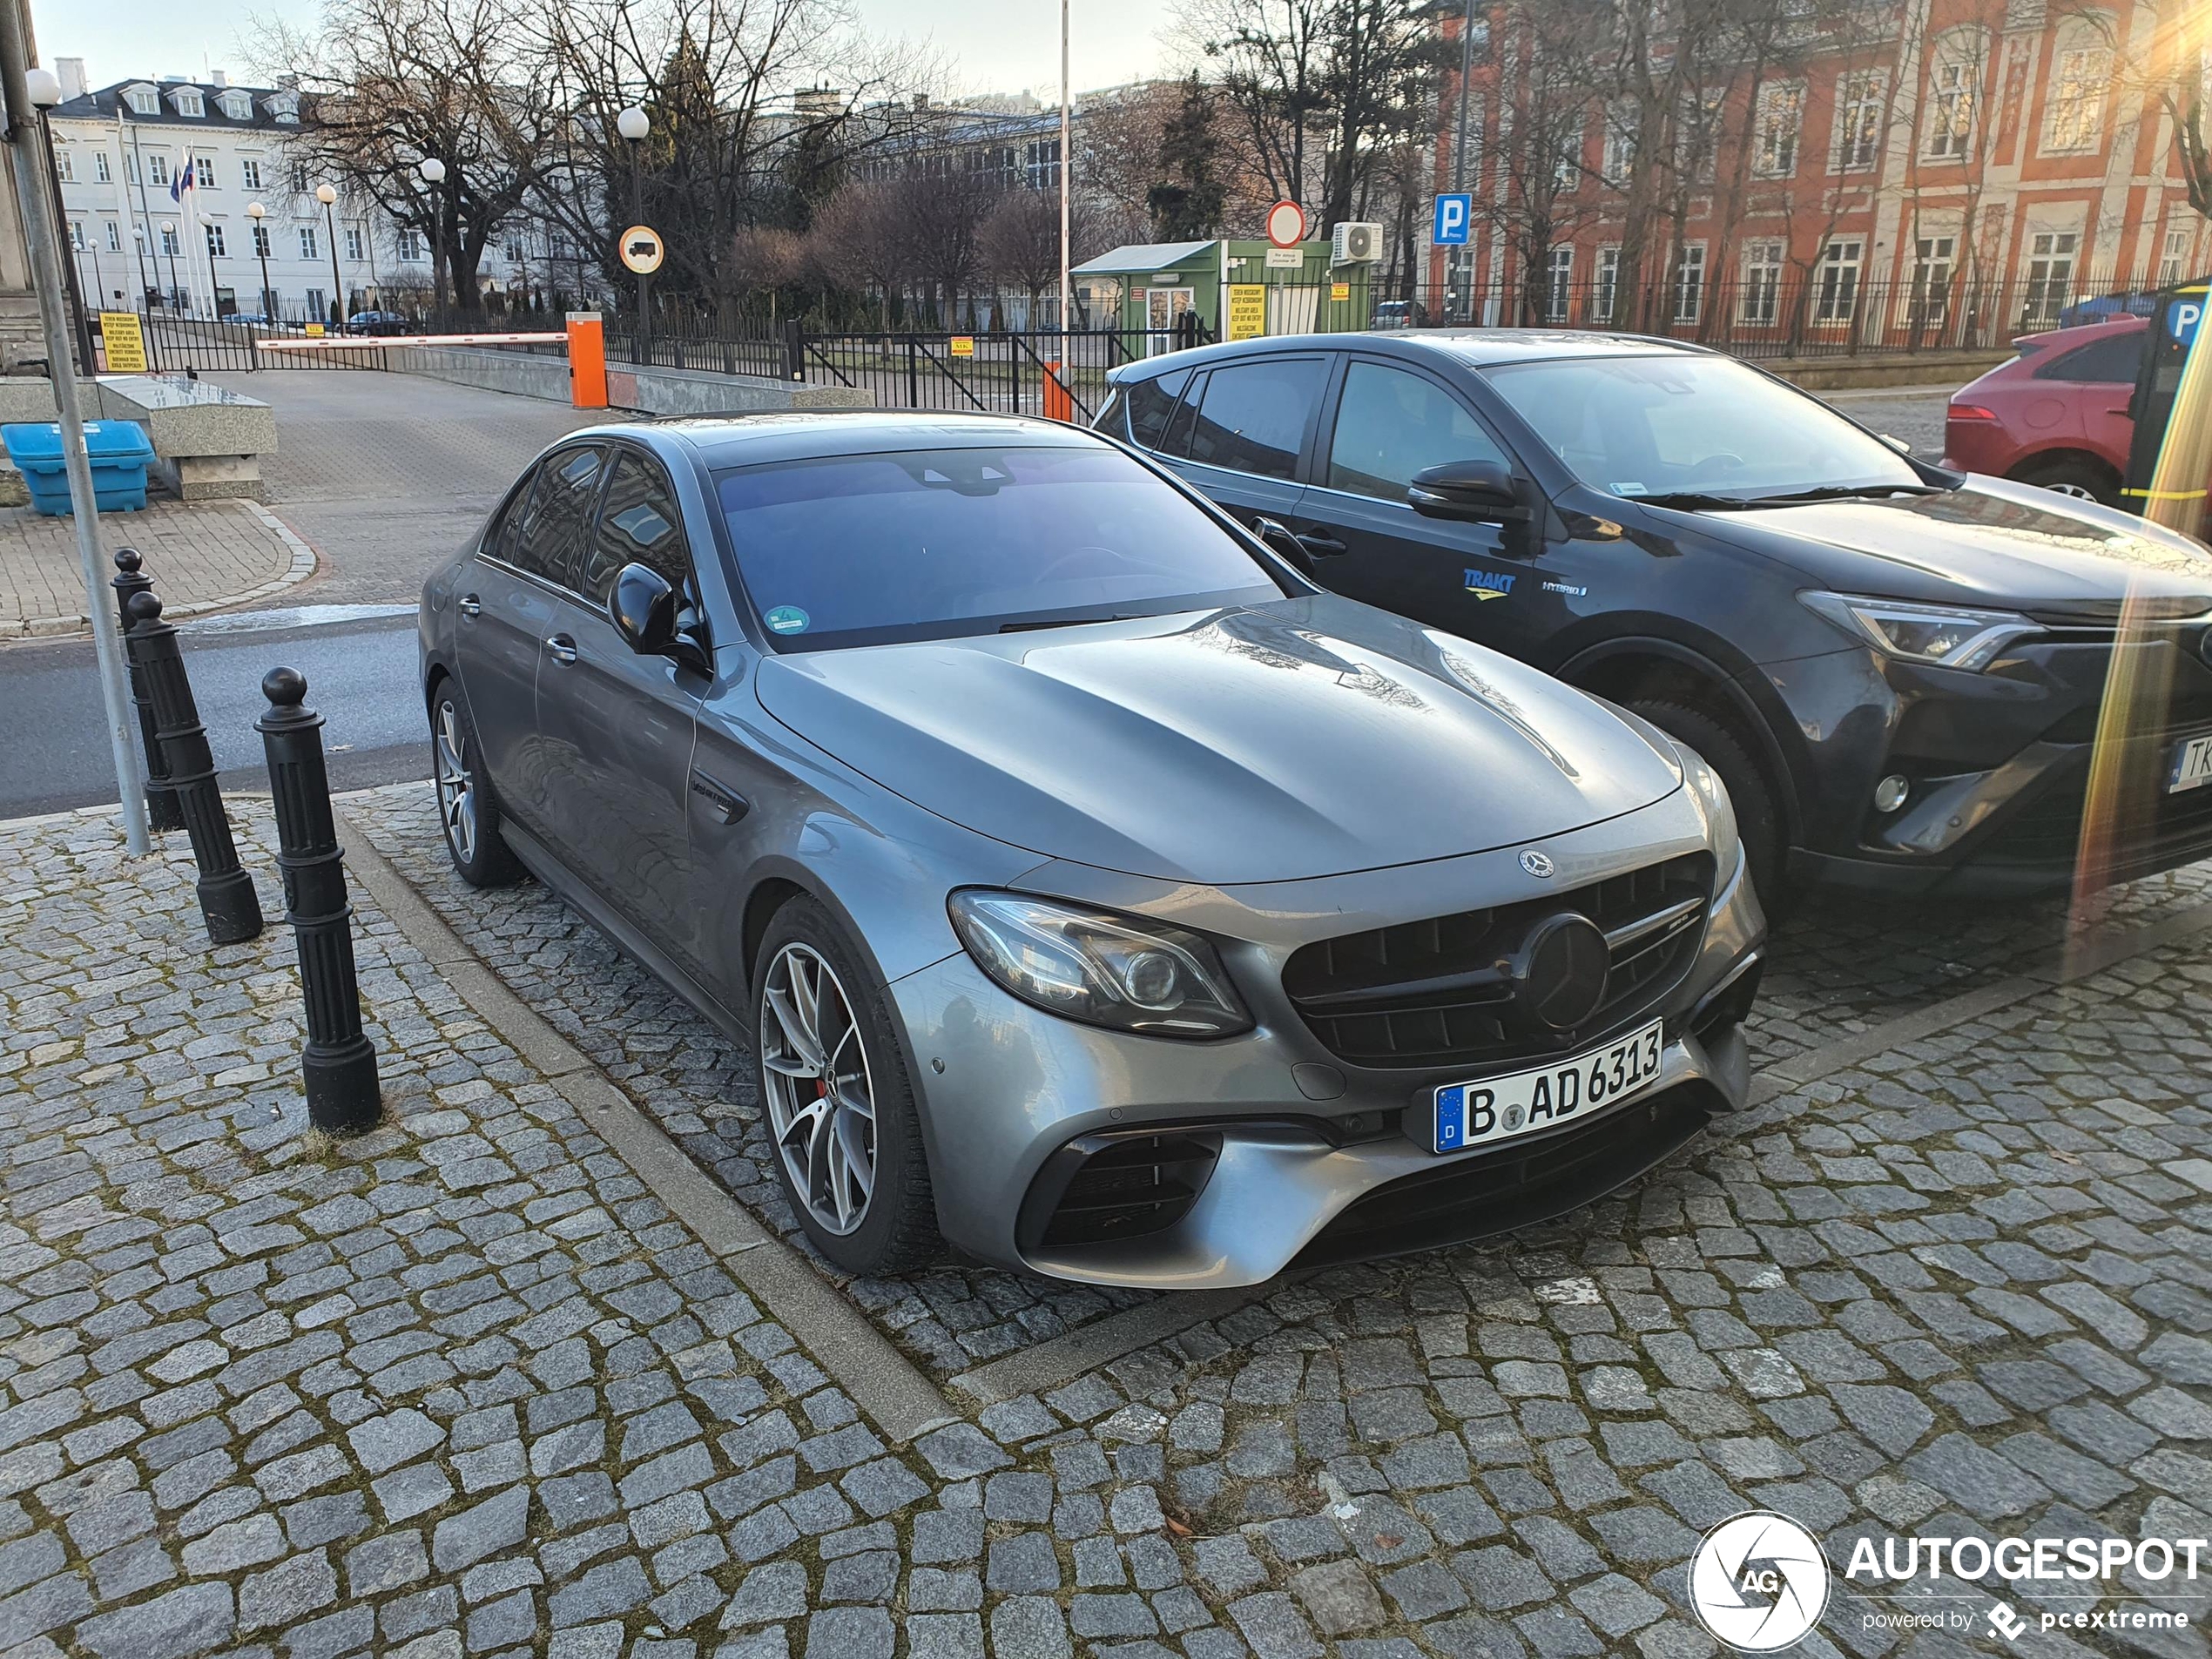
[898, 1399]
[303, 566]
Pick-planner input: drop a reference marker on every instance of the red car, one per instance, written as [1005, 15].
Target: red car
[2055, 414]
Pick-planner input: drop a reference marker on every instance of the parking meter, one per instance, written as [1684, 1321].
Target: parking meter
[2169, 459]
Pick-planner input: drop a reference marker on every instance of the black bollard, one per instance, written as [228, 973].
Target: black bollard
[340, 1062]
[226, 896]
[162, 812]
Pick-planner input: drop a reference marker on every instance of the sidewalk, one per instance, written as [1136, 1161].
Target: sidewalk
[201, 557]
[502, 1378]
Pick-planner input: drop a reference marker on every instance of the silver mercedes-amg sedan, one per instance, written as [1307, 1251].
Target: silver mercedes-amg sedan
[1096, 894]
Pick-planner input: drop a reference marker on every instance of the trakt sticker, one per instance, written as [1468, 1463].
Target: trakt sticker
[787, 620]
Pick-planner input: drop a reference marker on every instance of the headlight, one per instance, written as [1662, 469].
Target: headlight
[1720, 812]
[1099, 968]
[1940, 634]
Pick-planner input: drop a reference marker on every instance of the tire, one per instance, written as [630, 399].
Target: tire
[893, 1229]
[467, 810]
[2072, 475]
[1758, 820]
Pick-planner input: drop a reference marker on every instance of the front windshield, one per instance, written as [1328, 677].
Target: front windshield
[1698, 425]
[929, 544]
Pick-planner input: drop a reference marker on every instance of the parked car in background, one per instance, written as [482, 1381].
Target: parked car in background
[2055, 414]
[379, 322]
[1899, 671]
[1399, 314]
[1092, 889]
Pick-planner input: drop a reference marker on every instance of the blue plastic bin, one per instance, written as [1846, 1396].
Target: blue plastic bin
[120, 451]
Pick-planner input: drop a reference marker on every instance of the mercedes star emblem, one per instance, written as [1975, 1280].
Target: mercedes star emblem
[1536, 863]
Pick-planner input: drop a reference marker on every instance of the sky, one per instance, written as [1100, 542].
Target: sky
[989, 45]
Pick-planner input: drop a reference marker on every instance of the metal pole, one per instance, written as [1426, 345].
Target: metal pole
[161, 800]
[1462, 256]
[1067, 183]
[261, 250]
[41, 244]
[214, 282]
[87, 364]
[338, 1063]
[337, 282]
[645, 334]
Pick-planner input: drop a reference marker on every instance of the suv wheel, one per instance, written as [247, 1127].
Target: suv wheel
[1758, 821]
[2083, 480]
[467, 811]
[840, 1111]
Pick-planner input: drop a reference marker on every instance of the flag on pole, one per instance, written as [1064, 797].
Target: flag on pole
[182, 179]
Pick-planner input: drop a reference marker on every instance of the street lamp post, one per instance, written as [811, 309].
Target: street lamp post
[257, 212]
[632, 123]
[46, 92]
[1460, 255]
[433, 174]
[328, 196]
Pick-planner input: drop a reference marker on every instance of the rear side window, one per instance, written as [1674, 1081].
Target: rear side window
[1254, 414]
[639, 523]
[553, 530]
[2113, 360]
[1150, 405]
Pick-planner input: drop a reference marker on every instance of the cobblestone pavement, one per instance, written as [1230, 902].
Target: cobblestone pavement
[465, 1387]
[1913, 413]
[203, 556]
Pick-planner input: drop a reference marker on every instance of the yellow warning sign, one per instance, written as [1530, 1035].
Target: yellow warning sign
[963, 345]
[1340, 291]
[125, 342]
[1247, 310]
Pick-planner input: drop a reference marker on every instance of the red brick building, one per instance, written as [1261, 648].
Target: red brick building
[1932, 172]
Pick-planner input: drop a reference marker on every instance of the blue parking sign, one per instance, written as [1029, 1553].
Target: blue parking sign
[2184, 318]
[1453, 214]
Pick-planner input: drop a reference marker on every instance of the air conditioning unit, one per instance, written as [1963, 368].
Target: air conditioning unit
[1356, 244]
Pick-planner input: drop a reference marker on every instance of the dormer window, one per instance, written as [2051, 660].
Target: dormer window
[285, 107]
[189, 103]
[237, 105]
[143, 100]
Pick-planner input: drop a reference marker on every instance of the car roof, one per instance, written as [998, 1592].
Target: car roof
[746, 439]
[1467, 347]
[2083, 332]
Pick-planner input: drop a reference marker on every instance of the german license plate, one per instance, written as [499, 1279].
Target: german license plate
[1521, 1103]
[2192, 764]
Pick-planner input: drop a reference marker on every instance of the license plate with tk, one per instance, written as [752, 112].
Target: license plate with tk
[1523, 1103]
[2192, 767]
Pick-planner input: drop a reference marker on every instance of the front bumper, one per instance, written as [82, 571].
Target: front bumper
[1311, 1158]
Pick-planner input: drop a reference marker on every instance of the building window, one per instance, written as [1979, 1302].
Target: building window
[310, 242]
[299, 178]
[114, 236]
[261, 249]
[1689, 283]
[1781, 115]
[1927, 300]
[1952, 89]
[353, 242]
[2174, 258]
[2050, 277]
[204, 170]
[100, 173]
[1040, 164]
[236, 105]
[1567, 170]
[1608, 285]
[1858, 123]
[65, 165]
[189, 104]
[141, 101]
[408, 244]
[1835, 293]
[168, 242]
[316, 306]
[1559, 284]
[2078, 80]
[77, 234]
[157, 167]
[1620, 159]
[215, 241]
[1761, 300]
[249, 173]
[515, 250]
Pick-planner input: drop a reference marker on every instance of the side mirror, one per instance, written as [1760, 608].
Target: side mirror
[644, 609]
[1482, 492]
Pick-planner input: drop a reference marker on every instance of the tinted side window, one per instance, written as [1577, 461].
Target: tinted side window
[2116, 360]
[1150, 403]
[501, 535]
[1177, 443]
[1391, 424]
[1254, 416]
[639, 523]
[550, 541]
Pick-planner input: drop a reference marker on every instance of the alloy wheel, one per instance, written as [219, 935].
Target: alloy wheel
[821, 1097]
[457, 783]
[2078, 491]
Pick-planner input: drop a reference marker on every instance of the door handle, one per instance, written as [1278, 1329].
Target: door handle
[1318, 543]
[561, 649]
[470, 605]
[723, 799]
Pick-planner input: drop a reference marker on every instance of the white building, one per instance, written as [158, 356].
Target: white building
[120, 148]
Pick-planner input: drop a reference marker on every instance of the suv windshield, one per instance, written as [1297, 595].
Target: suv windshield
[1693, 425]
[928, 543]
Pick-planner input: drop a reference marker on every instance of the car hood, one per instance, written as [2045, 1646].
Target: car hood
[1994, 542]
[1310, 738]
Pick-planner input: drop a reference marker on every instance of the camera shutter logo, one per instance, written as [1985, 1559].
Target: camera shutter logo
[1759, 1582]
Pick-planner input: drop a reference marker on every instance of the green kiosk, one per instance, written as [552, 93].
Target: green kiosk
[1236, 290]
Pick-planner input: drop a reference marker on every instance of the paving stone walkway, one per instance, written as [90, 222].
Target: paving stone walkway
[465, 1386]
[202, 557]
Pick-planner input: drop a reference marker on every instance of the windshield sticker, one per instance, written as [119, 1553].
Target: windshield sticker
[1488, 585]
[787, 620]
[1630, 490]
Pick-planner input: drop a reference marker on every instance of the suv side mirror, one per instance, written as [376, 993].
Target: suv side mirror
[1483, 492]
[644, 606]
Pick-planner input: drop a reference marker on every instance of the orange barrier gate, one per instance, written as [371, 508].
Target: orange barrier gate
[586, 360]
[1059, 402]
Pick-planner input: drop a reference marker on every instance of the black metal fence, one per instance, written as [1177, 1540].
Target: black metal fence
[1005, 371]
[176, 344]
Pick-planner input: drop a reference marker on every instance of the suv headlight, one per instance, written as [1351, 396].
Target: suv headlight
[1940, 634]
[1099, 968]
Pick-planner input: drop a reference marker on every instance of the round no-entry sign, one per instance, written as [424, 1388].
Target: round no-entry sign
[641, 249]
[1286, 224]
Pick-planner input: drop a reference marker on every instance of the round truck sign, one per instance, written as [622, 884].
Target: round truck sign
[641, 250]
